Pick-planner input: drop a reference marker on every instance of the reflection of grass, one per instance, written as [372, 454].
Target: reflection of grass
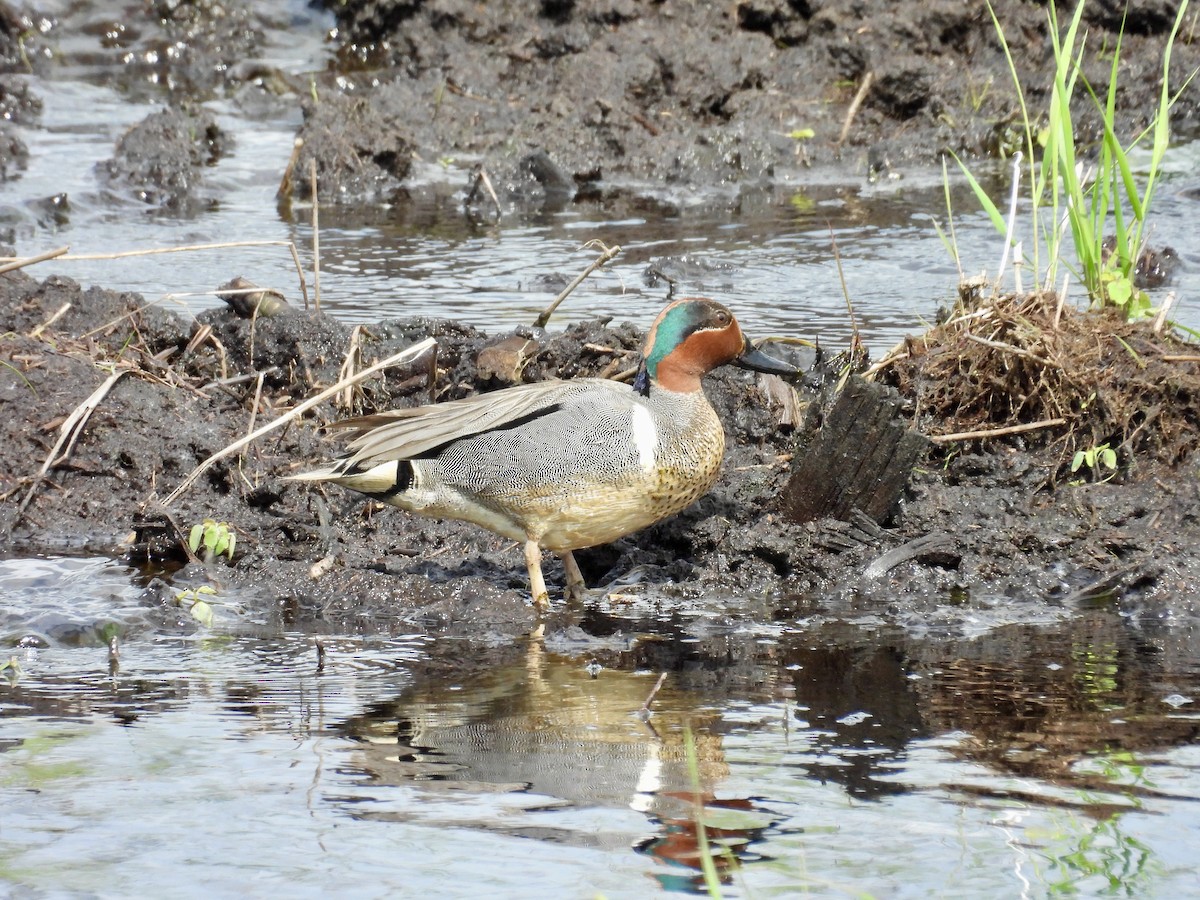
[1097, 856]
[1096, 670]
[712, 881]
[1102, 853]
[27, 768]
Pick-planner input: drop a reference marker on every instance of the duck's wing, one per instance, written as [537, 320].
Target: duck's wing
[422, 431]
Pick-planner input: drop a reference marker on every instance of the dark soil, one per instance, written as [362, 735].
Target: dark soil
[602, 99]
[1001, 535]
[160, 160]
[616, 93]
[591, 102]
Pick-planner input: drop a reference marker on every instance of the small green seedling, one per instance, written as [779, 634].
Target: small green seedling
[201, 610]
[216, 537]
[11, 668]
[1098, 459]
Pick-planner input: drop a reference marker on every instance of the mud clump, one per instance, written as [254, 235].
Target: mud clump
[161, 160]
[360, 148]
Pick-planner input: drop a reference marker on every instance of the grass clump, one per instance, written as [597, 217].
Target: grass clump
[1104, 205]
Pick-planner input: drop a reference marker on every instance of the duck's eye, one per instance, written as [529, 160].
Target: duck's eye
[722, 317]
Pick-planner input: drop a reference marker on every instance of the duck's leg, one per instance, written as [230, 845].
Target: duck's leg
[575, 583]
[537, 581]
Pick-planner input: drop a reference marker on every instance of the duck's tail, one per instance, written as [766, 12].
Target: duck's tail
[384, 479]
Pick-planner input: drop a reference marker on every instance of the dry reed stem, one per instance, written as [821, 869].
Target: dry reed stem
[68, 433]
[608, 254]
[995, 432]
[350, 364]
[852, 110]
[1007, 348]
[20, 263]
[406, 355]
[37, 332]
[316, 240]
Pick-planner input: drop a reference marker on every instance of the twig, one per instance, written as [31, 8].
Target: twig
[68, 433]
[395, 359]
[653, 693]
[481, 177]
[37, 332]
[30, 260]
[852, 111]
[257, 400]
[316, 240]
[487, 184]
[608, 254]
[1180, 357]
[995, 432]
[238, 379]
[187, 248]
[837, 258]
[645, 123]
[1160, 320]
[1007, 348]
[349, 365]
[1062, 299]
[285, 183]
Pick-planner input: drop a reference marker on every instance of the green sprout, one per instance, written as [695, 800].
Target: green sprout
[191, 600]
[217, 538]
[1098, 459]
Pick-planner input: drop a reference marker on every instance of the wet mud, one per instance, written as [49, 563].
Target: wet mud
[601, 100]
[586, 103]
[983, 529]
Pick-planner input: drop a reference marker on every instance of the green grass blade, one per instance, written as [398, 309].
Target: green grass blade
[981, 195]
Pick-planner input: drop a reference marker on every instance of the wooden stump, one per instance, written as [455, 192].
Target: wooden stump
[860, 458]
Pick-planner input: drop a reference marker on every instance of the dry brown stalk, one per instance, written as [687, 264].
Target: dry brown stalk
[68, 433]
[852, 110]
[58, 314]
[350, 364]
[30, 260]
[1007, 348]
[607, 254]
[995, 432]
[407, 355]
[316, 240]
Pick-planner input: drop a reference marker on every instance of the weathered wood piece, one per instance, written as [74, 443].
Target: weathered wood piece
[860, 458]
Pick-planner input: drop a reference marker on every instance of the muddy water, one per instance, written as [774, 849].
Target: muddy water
[832, 757]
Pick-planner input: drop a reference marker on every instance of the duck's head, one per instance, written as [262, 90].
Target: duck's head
[690, 338]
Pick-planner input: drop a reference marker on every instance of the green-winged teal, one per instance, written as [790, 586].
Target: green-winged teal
[561, 465]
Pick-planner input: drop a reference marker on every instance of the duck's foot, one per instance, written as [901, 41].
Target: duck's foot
[576, 586]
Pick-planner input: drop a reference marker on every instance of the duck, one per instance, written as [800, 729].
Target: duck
[562, 465]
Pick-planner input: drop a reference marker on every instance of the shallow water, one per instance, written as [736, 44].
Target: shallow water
[1011, 750]
[831, 758]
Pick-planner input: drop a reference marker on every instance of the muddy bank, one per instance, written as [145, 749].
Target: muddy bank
[594, 99]
[1008, 542]
[583, 98]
